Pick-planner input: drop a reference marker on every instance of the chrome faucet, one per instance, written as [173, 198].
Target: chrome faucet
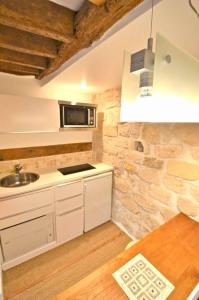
[17, 168]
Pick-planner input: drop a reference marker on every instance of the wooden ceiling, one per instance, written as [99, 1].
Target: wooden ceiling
[38, 36]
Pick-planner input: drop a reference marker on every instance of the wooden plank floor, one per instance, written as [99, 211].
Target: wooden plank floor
[47, 275]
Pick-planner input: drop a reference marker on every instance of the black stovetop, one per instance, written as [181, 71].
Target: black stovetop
[76, 169]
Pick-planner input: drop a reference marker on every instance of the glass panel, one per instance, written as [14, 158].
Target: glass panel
[180, 77]
[175, 88]
[76, 116]
[176, 83]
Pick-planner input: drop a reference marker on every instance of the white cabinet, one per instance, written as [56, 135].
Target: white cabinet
[97, 200]
[69, 211]
[27, 226]
[35, 222]
[27, 114]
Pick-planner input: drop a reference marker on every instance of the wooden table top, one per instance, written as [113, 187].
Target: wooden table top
[173, 249]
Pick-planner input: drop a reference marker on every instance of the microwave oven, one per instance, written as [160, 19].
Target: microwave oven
[77, 115]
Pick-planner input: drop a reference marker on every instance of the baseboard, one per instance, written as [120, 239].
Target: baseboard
[124, 230]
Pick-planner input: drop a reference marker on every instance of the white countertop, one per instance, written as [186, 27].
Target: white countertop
[53, 177]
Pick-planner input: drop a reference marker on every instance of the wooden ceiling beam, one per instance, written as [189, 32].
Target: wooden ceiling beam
[91, 22]
[98, 2]
[25, 42]
[17, 70]
[23, 59]
[39, 17]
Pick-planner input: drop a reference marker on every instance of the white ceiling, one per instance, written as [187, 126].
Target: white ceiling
[72, 4]
[101, 68]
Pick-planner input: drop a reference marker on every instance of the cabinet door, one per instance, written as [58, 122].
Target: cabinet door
[26, 237]
[97, 200]
[69, 225]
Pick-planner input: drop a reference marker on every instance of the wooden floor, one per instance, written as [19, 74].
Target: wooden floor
[47, 275]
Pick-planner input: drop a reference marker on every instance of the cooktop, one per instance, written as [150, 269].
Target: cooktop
[76, 169]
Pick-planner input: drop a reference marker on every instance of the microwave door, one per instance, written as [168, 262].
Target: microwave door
[75, 116]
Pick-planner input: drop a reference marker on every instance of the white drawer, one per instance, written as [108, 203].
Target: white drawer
[68, 190]
[26, 216]
[69, 225]
[69, 204]
[26, 202]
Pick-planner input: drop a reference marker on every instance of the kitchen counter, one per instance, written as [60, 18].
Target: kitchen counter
[173, 249]
[52, 177]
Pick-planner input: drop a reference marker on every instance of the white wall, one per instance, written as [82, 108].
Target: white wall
[28, 89]
[29, 86]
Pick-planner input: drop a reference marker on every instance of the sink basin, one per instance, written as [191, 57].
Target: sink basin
[15, 180]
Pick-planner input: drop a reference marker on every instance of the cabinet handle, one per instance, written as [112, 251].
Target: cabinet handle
[70, 211]
[67, 198]
[68, 183]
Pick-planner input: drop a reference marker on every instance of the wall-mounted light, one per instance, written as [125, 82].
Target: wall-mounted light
[83, 85]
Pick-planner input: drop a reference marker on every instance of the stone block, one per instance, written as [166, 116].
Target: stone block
[141, 232]
[188, 207]
[111, 98]
[151, 221]
[121, 184]
[183, 169]
[150, 175]
[195, 192]
[110, 131]
[135, 157]
[151, 133]
[187, 133]
[110, 151]
[129, 167]
[195, 153]
[129, 130]
[174, 184]
[112, 116]
[152, 162]
[130, 205]
[145, 202]
[166, 212]
[168, 151]
[160, 194]
[117, 172]
[166, 133]
[120, 142]
[143, 187]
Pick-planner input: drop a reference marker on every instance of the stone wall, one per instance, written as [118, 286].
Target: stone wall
[156, 167]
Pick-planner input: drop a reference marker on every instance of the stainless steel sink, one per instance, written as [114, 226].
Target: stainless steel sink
[19, 179]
